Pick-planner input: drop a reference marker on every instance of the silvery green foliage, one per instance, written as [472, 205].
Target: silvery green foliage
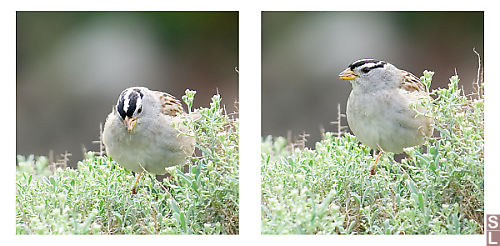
[95, 198]
[438, 189]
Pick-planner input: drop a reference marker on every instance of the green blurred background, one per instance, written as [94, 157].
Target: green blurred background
[303, 53]
[71, 67]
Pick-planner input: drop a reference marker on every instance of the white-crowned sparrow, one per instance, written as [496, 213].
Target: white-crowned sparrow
[140, 135]
[378, 108]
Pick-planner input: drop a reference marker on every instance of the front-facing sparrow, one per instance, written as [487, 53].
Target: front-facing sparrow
[140, 133]
[378, 108]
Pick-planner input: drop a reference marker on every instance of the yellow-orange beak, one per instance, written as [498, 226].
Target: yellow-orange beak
[130, 123]
[348, 74]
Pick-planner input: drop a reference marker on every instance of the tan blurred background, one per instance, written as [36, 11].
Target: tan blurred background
[71, 67]
[303, 53]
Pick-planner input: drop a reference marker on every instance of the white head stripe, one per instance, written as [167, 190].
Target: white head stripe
[126, 100]
[138, 103]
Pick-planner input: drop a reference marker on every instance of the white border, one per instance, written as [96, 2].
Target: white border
[250, 105]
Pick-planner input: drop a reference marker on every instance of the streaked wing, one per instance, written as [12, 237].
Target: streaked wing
[169, 104]
[411, 82]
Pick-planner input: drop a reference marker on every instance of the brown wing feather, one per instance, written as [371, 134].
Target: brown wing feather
[411, 82]
[169, 104]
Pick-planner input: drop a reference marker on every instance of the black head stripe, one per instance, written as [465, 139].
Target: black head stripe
[362, 62]
[119, 106]
[132, 104]
[140, 92]
[379, 64]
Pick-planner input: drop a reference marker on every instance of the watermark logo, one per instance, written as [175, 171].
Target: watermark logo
[493, 229]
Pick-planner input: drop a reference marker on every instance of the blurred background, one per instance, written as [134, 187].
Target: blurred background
[303, 53]
[72, 66]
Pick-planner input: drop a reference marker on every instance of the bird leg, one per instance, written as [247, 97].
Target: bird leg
[372, 171]
[134, 191]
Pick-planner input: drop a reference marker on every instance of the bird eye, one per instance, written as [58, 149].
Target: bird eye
[365, 70]
[139, 110]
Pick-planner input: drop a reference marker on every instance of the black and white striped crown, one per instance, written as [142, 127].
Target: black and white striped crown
[367, 64]
[129, 101]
